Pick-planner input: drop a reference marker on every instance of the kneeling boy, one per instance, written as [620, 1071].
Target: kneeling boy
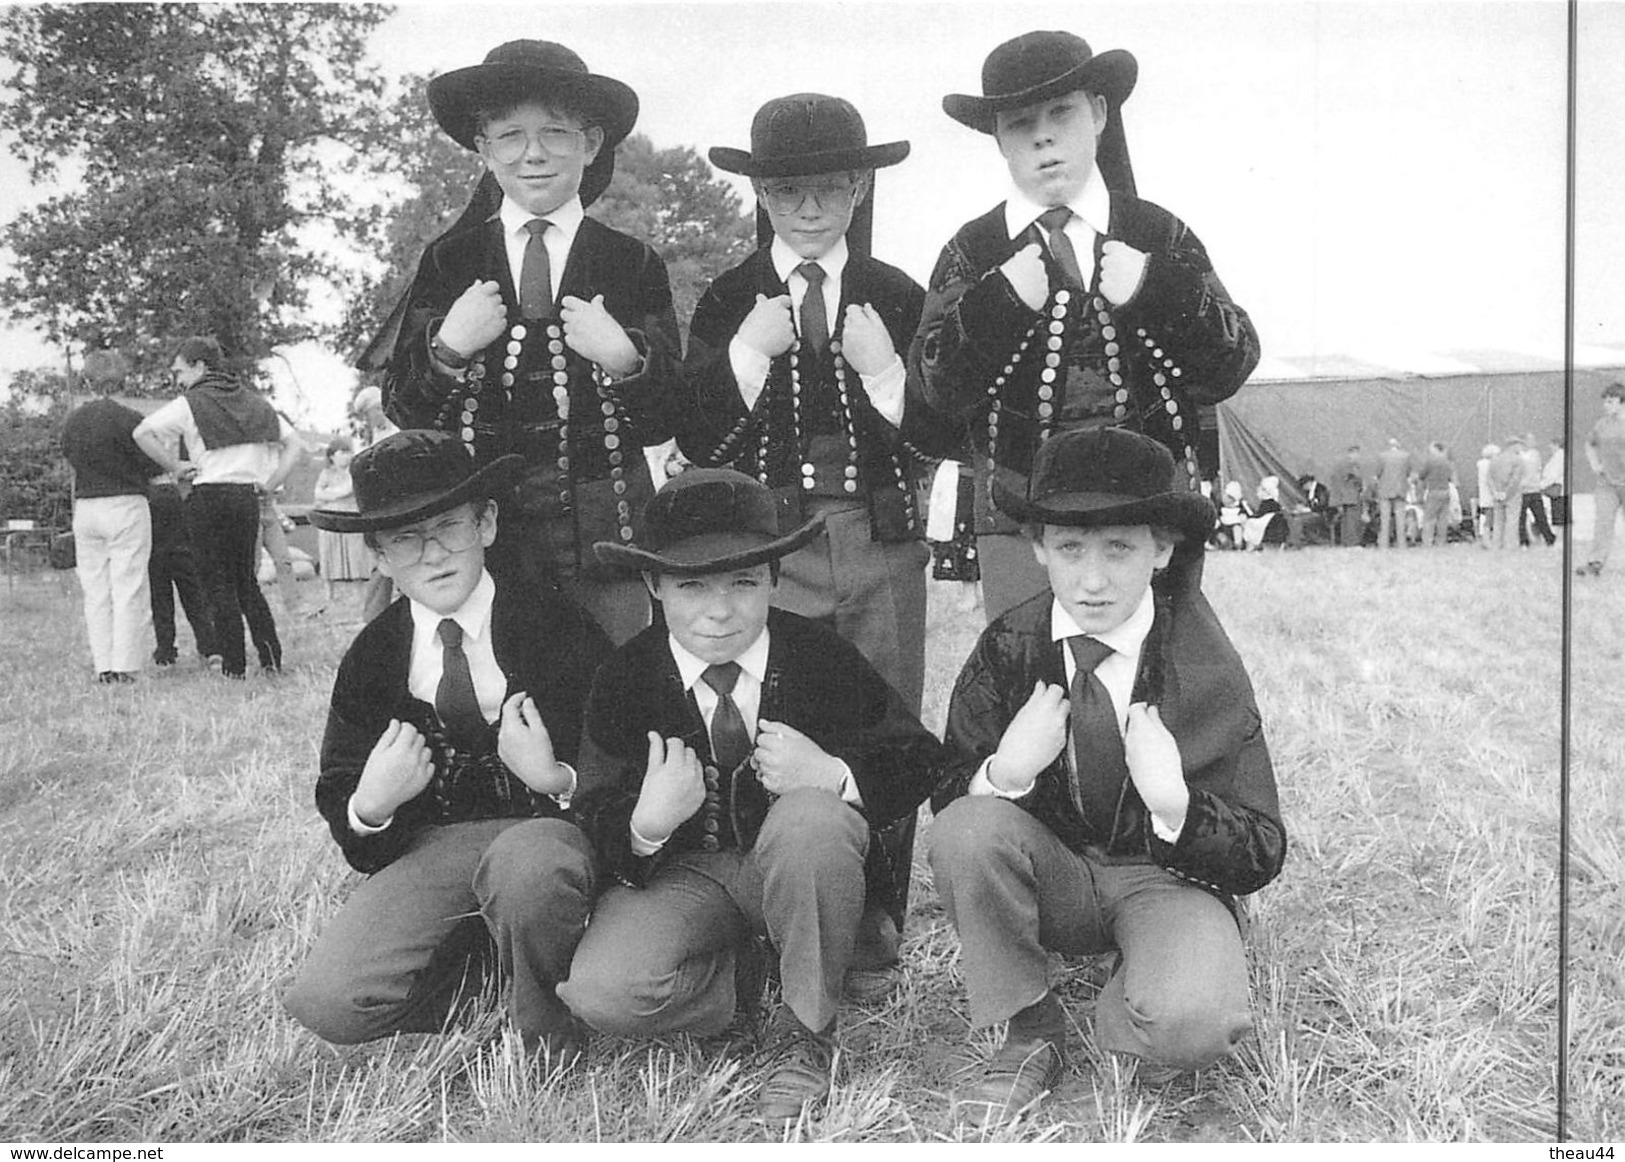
[1108, 785]
[737, 760]
[444, 770]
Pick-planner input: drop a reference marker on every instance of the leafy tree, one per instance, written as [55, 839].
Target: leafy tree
[203, 152]
[667, 197]
[438, 176]
[35, 481]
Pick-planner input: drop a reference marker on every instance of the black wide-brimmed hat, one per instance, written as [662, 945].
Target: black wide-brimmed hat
[538, 70]
[412, 476]
[1037, 66]
[1107, 476]
[708, 520]
[804, 134]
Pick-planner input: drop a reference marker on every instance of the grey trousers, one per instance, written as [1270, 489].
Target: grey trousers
[1178, 996]
[660, 959]
[418, 937]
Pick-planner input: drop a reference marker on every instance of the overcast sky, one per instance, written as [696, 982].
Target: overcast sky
[1385, 180]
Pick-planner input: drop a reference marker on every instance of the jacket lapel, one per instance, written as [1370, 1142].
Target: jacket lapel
[677, 706]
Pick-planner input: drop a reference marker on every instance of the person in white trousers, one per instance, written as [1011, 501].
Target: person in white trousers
[112, 524]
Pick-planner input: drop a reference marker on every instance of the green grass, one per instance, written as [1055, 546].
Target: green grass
[164, 871]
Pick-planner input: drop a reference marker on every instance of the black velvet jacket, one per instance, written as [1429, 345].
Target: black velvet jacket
[547, 649]
[1179, 341]
[770, 441]
[816, 682]
[1233, 841]
[571, 462]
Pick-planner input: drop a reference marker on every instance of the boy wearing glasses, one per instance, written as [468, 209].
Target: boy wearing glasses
[532, 329]
[446, 768]
[1072, 304]
[795, 371]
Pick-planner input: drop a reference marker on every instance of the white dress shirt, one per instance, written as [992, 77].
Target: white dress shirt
[1116, 673]
[1091, 215]
[750, 366]
[428, 652]
[427, 665]
[558, 239]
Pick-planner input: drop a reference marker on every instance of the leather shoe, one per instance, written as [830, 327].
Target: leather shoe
[803, 1068]
[1017, 1077]
[873, 986]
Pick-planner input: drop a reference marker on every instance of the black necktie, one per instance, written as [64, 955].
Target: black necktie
[1096, 742]
[454, 699]
[814, 322]
[1060, 245]
[536, 274]
[730, 741]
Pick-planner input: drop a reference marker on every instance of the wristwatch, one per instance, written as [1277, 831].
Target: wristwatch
[444, 354]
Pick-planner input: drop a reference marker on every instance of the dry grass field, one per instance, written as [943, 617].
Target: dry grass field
[163, 870]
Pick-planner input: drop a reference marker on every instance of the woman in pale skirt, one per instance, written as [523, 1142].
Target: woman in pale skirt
[343, 556]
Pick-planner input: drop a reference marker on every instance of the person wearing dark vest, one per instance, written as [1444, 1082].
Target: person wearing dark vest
[447, 769]
[1074, 303]
[112, 528]
[736, 762]
[241, 448]
[1108, 784]
[535, 330]
[795, 376]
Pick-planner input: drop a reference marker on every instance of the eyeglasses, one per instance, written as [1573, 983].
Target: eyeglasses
[510, 145]
[788, 197]
[406, 546]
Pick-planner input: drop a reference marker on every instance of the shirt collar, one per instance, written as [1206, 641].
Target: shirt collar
[753, 661]
[786, 260]
[566, 219]
[1093, 204]
[1126, 639]
[474, 615]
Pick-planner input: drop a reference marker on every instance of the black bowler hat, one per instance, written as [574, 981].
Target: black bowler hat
[412, 476]
[1037, 66]
[708, 520]
[537, 70]
[1107, 476]
[805, 134]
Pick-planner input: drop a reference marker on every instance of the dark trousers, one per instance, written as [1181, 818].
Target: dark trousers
[872, 593]
[1346, 525]
[224, 520]
[1534, 507]
[172, 569]
[504, 897]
